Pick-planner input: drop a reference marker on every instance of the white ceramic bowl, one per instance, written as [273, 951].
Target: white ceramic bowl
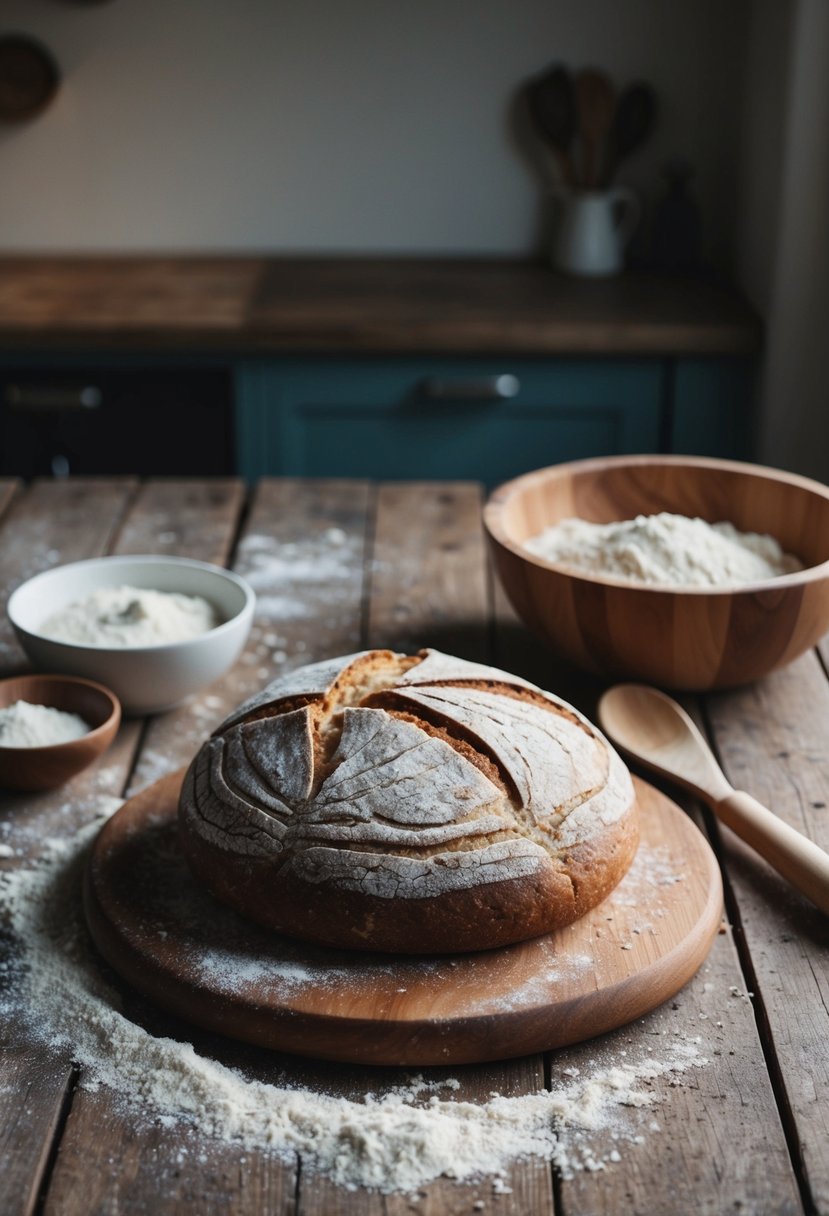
[147, 679]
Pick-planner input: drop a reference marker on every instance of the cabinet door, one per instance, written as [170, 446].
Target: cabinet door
[117, 417]
[713, 407]
[441, 418]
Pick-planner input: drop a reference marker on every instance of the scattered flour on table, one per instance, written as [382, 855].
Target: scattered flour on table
[131, 616]
[664, 549]
[52, 989]
[23, 724]
[292, 579]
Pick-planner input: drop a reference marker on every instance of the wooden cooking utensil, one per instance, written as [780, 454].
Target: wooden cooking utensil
[595, 102]
[633, 122]
[29, 77]
[552, 105]
[651, 727]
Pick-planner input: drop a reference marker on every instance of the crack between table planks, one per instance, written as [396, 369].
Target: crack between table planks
[56, 1140]
[555, 1174]
[136, 756]
[245, 511]
[822, 661]
[123, 515]
[369, 549]
[755, 995]
[297, 1182]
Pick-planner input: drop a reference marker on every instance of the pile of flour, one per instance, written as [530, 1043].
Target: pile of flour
[23, 724]
[130, 616]
[397, 1140]
[664, 549]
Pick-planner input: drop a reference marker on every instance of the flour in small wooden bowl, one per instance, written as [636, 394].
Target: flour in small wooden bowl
[24, 724]
[664, 550]
[398, 1139]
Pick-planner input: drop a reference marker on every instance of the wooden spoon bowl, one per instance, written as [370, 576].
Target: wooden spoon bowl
[678, 637]
[44, 768]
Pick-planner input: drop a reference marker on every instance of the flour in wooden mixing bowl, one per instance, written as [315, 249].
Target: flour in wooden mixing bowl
[54, 993]
[664, 550]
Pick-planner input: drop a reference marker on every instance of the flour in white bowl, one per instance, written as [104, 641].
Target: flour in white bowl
[121, 617]
[663, 550]
[23, 724]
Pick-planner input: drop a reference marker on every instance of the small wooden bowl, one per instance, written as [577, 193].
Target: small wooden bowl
[678, 637]
[43, 768]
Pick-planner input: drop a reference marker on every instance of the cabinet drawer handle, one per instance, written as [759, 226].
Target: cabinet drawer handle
[472, 388]
[53, 397]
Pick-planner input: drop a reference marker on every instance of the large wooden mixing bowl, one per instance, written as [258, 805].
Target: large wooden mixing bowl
[678, 637]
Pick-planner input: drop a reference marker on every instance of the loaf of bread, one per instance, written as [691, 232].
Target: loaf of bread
[412, 803]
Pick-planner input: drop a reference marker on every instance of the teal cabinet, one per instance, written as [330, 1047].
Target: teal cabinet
[435, 418]
[363, 416]
[711, 407]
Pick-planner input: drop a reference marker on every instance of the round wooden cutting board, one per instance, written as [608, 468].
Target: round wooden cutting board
[171, 940]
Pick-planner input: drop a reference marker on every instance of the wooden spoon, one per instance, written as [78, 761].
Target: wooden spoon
[595, 100]
[633, 122]
[652, 728]
[552, 104]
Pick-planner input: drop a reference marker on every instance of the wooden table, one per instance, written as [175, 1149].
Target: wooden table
[746, 1133]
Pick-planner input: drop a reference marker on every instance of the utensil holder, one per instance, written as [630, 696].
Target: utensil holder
[593, 230]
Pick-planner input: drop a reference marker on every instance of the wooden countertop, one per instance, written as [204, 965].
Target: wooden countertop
[745, 1131]
[360, 305]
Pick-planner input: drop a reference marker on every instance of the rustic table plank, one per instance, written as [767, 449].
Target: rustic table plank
[108, 1161]
[429, 587]
[721, 1145]
[302, 548]
[116, 1166]
[181, 518]
[9, 486]
[34, 1090]
[771, 739]
[51, 522]
[429, 581]
[184, 517]
[722, 1120]
[302, 551]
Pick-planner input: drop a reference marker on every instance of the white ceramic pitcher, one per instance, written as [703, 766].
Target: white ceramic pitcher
[594, 228]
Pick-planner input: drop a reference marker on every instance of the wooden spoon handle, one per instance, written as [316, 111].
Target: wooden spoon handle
[792, 854]
[565, 164]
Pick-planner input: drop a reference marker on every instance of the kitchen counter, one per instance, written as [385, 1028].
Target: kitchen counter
[744, 1131]
[360, 305]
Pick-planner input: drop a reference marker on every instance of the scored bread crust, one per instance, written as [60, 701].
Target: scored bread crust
[408, 803]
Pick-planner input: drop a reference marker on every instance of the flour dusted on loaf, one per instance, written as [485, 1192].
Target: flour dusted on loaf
[664, 549]
[131, 616]
[417, 803]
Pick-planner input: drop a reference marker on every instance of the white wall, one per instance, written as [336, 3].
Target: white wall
[783, 247]
[762, 145]
[342, 125]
